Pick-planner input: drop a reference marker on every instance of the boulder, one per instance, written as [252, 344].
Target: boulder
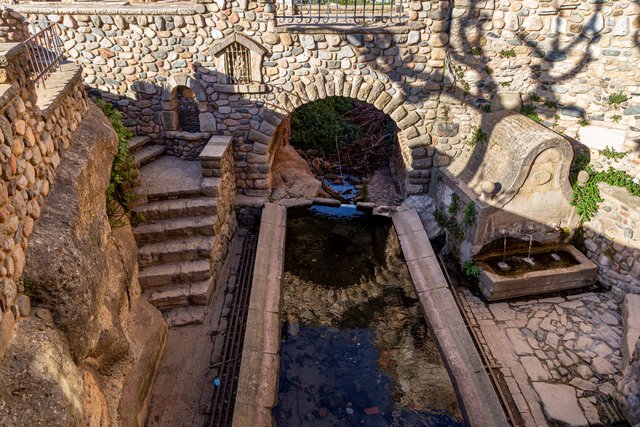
[292, 176]
[67, 255]
[41, 385]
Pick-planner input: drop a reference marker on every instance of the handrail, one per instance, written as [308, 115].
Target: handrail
[44, 52]
[359, 12]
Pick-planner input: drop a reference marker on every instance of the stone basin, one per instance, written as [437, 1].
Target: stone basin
[495, 286]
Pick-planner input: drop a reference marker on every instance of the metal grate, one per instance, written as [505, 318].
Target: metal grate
[188, 113]
[342, 11]
[223, 401]
[237, 64]
[44, 52]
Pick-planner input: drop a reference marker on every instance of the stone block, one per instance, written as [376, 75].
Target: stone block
[510, 101]
[631, 326]
[208, 122]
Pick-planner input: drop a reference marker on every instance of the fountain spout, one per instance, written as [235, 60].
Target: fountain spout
[528, 259]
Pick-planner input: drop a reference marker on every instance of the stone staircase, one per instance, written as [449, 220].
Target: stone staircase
[183, 227]
[144, 152]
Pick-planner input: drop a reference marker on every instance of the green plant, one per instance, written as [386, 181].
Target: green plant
[617, 98]
[610, 153]
[529, 110]
[505, 84]
[28, 287]
[582, 123]
[580, 163]
[488, 70]
[507, 53]
[123, 169]
[477, 136]
[323, 126]
[469, 214]
[470, 269]
[486, 108]
[534, 97]
[449, 223]
[476, 50]
[586, 198]
[616, 118]
[454, 207]
[551, 104]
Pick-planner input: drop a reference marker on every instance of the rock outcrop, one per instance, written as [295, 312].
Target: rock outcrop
[90, 341]
[292, 176]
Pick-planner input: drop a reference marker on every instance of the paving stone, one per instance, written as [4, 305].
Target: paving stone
[534, 368]
[583, 384]
[560, 403]
[502, 312]
[602, 366]
[518, 341]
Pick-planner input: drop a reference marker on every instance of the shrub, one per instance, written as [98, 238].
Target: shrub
[321, 125]
[616, 118]
[470, 269]
[123, 169]
[534, 97]
[469, 214]
[476, 50]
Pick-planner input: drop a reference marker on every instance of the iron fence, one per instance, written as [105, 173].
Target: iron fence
[44, 52]
[360, 12]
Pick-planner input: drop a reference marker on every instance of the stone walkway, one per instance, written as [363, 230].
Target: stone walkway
[560, 357]
[169, 175]
[381, 189]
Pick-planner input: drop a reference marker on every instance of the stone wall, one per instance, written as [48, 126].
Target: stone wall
[138, 57]
[12, 26]
[612, 239]
[32, 140]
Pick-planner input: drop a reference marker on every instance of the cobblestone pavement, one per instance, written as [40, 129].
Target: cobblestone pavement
[560, 356]
[381, 189]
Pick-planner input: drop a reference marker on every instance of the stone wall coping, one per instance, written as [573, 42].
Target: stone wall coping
[7, 94]
[621, 195]
[56, 87]
[348, 29]
[111, 9]
[188, 136]
[479, 402]
[8, 51]
[259, 370]
[216, 147]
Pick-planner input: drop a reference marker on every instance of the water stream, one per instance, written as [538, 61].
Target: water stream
[356, 350]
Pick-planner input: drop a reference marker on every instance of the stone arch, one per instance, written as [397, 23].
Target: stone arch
[372, 89]
[170, 116]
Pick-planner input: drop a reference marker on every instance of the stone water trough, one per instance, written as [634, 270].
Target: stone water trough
[517, 180]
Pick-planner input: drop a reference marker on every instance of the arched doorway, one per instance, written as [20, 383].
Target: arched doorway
[336, 147]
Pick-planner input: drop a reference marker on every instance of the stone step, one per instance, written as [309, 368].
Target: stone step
[138, 142]
[173, 208]
[148, 154]
[182, 295]
[211, 186]
[160, 230]
[184, 316]
[186, 191]
[183, 249]
[174, 273]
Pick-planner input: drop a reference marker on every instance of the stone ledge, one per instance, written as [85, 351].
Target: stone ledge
[7, 94]
[347, 28]
[216, 147]
[478, 400]
[259, 370]
[113, 9]
[57, 86]
[8, 52]
[244, 88]
[187, 136]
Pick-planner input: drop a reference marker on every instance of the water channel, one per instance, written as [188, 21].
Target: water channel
[356, 350]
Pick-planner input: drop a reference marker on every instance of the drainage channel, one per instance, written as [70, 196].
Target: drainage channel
[222, 404]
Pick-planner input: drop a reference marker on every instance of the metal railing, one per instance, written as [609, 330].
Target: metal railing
[44, 52]
[359, 12]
